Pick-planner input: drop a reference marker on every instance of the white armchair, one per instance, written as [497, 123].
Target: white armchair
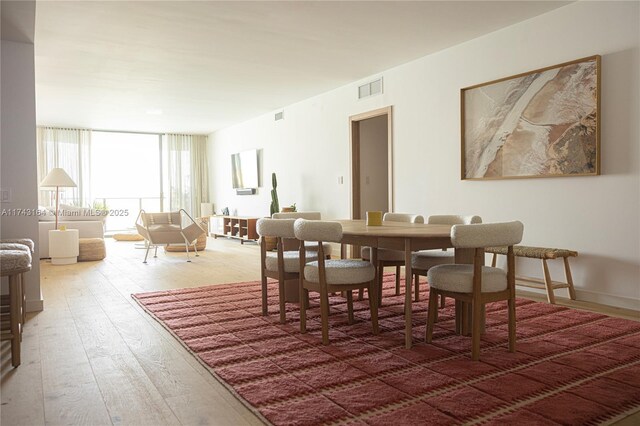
[167, 228]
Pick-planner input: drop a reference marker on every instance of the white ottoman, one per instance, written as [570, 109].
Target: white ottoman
[64, 246]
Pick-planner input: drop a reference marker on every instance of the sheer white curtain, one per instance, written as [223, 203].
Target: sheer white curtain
[69, 149]
[187, 172]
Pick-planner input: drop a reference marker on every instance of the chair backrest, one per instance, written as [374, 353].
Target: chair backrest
[487, 235]
[451, 219]
[282, 228]
[171, 218]
[403, 217]
[318, 230]
[298, 215]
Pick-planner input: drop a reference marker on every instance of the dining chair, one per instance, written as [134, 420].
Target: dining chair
[475, 285]
[330, 275]
[311, 245]
[388, 257]
[422, 261]
[282, 265]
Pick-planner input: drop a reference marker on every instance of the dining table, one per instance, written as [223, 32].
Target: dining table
[406, 237]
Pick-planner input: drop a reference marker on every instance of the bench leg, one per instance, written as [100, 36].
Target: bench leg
[548, 283]
[567, 274]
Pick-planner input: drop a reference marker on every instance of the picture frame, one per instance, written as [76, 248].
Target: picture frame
[541, 123]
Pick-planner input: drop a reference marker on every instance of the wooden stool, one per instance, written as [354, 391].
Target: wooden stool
[14, 263]
[91, 249]
[544, 254]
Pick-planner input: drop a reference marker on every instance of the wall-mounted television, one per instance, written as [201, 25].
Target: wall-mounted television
[244, 169]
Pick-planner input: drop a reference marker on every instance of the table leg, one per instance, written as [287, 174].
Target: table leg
[407, 294]
[376, 280]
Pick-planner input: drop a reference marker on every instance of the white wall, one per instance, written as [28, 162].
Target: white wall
[18, 153]
[598, 216]
[374, 184]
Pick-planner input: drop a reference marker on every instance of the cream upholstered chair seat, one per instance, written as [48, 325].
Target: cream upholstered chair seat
[459, 278]
[291, 260]
[341, 271]
[476, 285]
[14, 260]
[325, 276]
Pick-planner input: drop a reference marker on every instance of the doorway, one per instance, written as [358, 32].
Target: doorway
[371, 162]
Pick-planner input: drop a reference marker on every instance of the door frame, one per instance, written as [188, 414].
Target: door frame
[354, 142]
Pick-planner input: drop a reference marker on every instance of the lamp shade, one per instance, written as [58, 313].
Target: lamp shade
[57, 177]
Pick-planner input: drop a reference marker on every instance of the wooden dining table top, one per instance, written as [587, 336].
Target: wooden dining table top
[393, 235]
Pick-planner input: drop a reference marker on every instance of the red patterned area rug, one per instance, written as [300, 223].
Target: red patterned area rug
[571, 367]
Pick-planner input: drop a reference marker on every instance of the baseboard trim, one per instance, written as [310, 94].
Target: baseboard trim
[35, 305]
[608, 299]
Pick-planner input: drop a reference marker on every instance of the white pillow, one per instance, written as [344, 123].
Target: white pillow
[45, 214]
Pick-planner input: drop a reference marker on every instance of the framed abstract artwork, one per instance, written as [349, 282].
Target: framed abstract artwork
[543, 123]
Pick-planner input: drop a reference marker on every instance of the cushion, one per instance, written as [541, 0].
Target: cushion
[128, 237]
[291, 260]
[383, 254]
[459, 278]
[24, 241]
[341, 271]
[14, 261]
[15, 246]
[427, 259]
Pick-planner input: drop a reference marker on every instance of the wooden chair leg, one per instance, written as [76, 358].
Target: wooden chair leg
[458, 316]
[476, 330]
[431, 314]
[512, 324]
[324, 314]
[548, 283]
[283, 316]
[350, 306]
[14, 319]
[380, 282]
[304, 303]
[397, 280]
[417, 284]
[567, 275]
[373, 307]
[264, 295]
[443, 301]
[23, 299]
[361, 294]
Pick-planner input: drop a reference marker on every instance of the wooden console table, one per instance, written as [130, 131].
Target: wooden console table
[238, 227]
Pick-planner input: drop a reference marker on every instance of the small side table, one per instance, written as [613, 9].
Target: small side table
[64, 246]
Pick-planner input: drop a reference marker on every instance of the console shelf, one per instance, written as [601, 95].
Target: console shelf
[239, 227]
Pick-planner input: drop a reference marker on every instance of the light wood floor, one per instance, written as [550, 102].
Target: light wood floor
[93, 357]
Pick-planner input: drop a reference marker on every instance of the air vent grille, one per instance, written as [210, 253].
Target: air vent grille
[279, 116]
[371, 88]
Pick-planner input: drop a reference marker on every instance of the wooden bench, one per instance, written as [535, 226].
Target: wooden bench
[544, 254]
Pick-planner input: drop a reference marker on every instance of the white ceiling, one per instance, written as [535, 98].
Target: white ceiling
[207, 65]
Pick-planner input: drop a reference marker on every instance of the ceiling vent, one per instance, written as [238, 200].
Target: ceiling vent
[370, 89]
[279, 116]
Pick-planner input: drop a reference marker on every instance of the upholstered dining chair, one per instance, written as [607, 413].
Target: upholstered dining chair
[387, 257]
[422, 261]
[311, 245]
[331, 275]
[475, 285]
[282, 265]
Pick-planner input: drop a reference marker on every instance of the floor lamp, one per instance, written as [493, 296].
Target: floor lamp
[57, 178]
